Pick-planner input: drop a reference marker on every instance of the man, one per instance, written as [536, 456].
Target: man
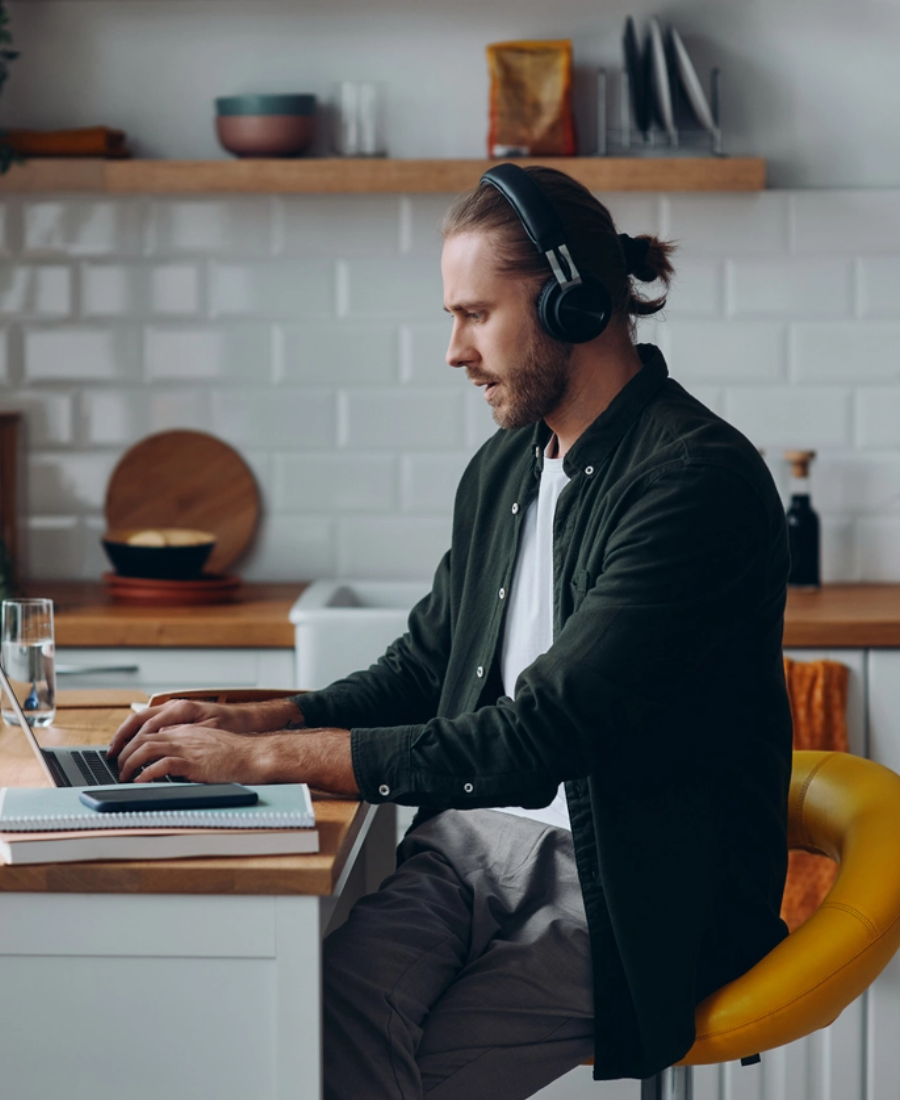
[589, 707]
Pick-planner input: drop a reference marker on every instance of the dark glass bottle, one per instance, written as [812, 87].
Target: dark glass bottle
[802, 524]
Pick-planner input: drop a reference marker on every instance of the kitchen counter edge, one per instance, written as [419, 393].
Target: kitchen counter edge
[849, 616]
[85, 615]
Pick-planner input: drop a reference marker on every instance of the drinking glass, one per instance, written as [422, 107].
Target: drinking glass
[359, 119]
[27, 654]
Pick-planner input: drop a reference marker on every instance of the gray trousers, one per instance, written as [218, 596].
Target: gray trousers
[468, 974]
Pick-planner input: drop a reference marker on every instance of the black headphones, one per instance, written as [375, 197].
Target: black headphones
[570, 308]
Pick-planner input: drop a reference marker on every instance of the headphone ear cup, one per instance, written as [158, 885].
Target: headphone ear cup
[574, 314]
[547, 302]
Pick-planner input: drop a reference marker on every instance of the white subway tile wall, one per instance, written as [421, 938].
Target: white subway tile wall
[4, 357]
[75, 227]
[132, 290]
[730, 225]
[363, 353]
[70, 354]
[307, 331]
[210, 353]
[43, 290]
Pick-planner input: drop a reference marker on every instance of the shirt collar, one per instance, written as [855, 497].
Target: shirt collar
[596, 441]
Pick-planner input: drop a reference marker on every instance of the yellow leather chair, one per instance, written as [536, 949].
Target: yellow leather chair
[848, 809]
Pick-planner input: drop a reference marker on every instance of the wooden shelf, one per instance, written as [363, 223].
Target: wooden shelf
[348, 176]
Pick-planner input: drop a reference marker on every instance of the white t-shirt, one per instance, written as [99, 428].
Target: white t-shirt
[528, 630]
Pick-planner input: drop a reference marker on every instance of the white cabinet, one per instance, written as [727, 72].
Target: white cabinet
[163, 669]
[884, 707]
[883, 1025]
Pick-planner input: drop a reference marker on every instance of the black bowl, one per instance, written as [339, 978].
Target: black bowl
[177, 563]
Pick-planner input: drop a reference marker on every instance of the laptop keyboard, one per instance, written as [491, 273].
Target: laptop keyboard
[98, 771]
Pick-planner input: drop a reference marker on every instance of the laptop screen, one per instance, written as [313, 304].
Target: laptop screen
[23, 722]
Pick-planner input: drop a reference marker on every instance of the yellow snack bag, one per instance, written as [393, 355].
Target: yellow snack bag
[531, 99]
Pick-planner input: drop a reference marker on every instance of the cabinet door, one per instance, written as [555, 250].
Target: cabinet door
[884, 996]
[830, 1062]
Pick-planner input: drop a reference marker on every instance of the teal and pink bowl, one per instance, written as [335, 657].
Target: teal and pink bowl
[266, 125]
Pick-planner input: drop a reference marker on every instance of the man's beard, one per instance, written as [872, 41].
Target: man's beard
[534, 389]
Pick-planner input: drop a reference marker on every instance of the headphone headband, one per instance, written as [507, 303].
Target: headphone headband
[570, 309]
[538, 216]
[536, 212]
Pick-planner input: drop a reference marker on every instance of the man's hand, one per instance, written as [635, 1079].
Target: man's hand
[242, 718]
[205, 754]
[202, 754]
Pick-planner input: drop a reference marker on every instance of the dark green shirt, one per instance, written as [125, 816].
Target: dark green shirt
[661, 702]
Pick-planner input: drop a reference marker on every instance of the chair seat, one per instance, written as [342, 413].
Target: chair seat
[848, 809]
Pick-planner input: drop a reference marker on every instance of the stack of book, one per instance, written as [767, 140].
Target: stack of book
[51, 825]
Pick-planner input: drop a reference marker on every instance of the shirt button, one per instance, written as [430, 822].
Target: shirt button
[468, 788]
[502, 593]
[384, 790]
[589, 470]
[479, 672]
[515, 509]
[537, 452]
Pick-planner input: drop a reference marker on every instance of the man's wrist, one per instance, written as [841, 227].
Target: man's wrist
[272, 715]
[321, 758]
[295, 719]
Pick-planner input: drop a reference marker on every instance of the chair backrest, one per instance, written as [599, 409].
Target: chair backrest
[847, 808]
[224, 695]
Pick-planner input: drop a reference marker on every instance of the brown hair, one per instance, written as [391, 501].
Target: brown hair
[592, 238]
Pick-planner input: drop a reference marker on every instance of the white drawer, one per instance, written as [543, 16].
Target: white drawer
[163, 669]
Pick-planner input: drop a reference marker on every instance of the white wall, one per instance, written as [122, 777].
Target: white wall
[808, 84]
[308, 333]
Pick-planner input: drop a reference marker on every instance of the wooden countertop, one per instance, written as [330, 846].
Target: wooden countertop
[844, 615]
[85, 615]
[339, 822]
[838, 615]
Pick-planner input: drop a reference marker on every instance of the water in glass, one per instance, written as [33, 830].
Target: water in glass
[31, 674]
[27, 653]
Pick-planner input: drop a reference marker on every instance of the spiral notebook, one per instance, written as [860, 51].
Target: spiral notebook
[47, 809]
[51, 825]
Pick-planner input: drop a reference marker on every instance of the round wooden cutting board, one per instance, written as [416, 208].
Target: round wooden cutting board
[187, 479]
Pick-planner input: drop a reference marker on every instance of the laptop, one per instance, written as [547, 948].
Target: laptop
[78, 766]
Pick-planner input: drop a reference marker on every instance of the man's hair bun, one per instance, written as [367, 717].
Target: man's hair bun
[635, 250]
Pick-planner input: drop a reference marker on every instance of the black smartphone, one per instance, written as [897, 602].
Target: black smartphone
[130, 798]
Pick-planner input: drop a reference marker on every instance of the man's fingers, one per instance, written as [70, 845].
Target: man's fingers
[177, 712]
[125, 732]
[141, 752]
[135, 723]
[167, 765]
[192, 752]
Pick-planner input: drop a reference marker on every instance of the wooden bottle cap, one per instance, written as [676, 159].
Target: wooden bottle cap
[800, 461]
